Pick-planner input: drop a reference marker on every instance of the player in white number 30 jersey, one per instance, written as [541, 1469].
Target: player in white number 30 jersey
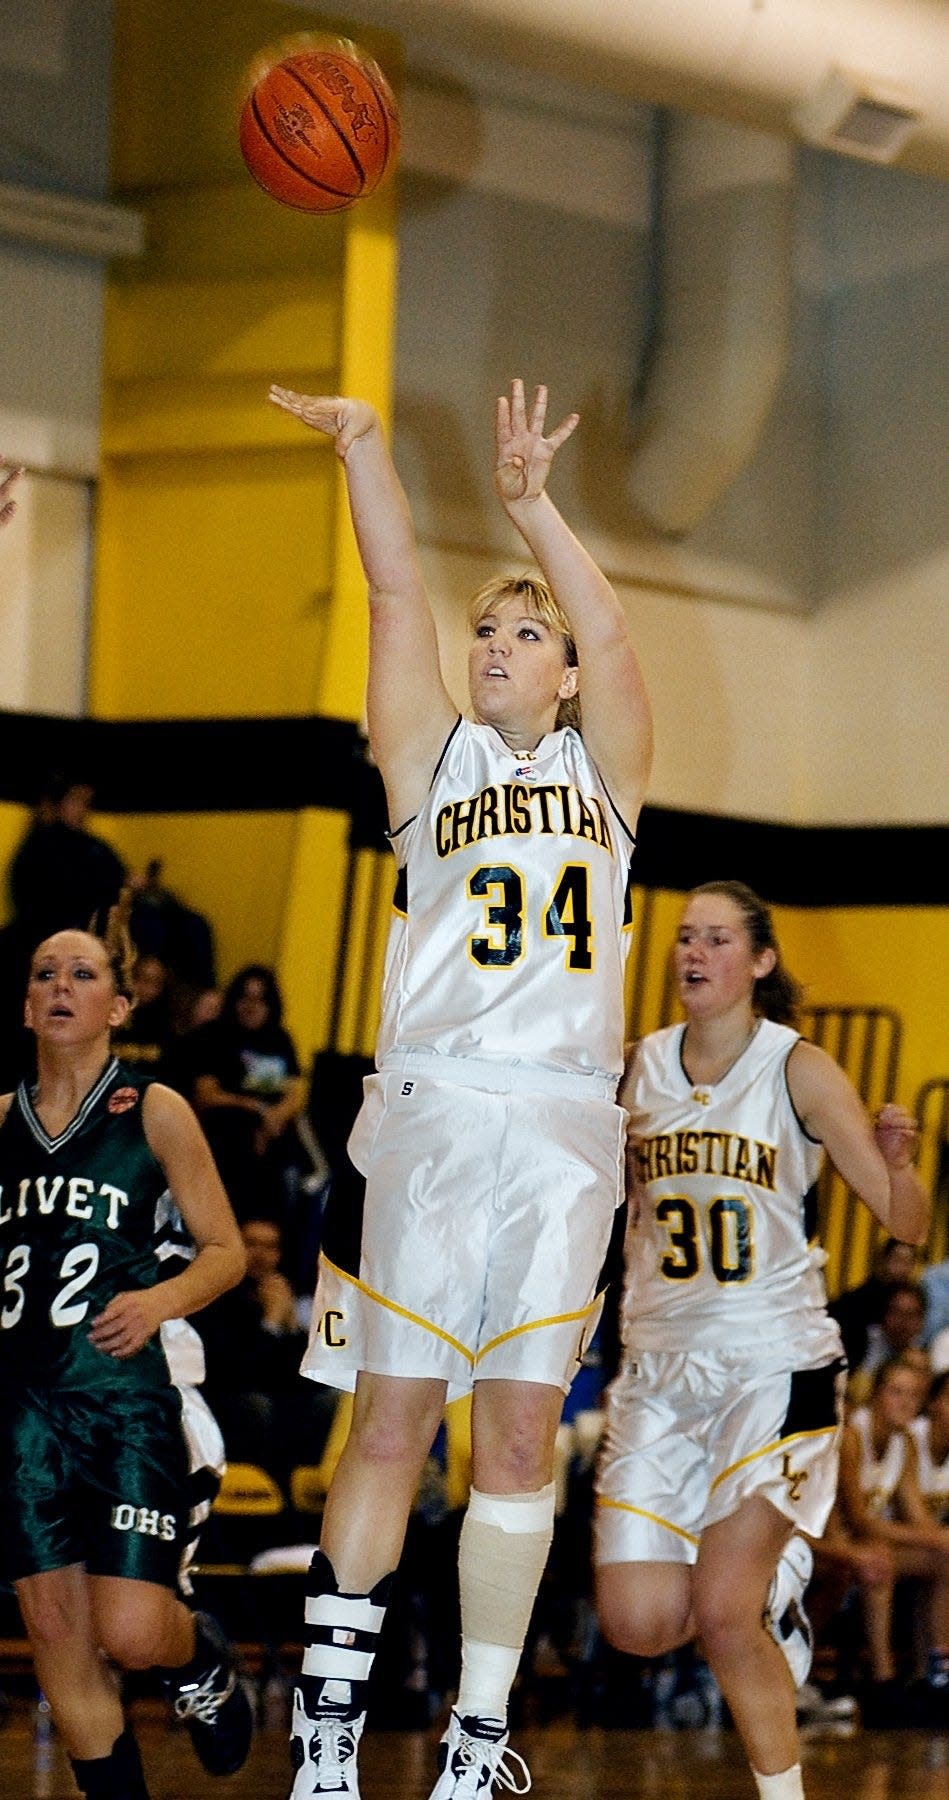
[490, 1137]
[723, 1421]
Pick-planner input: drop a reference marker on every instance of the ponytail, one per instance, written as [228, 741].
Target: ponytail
[114, 935]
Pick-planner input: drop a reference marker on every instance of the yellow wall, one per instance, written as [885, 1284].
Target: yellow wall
[226, 582]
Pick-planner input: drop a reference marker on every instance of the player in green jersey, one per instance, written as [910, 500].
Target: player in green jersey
[93, 1468]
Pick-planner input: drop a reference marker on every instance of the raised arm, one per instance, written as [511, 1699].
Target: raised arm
[875, 1157]
[617, 717]
[409, 710]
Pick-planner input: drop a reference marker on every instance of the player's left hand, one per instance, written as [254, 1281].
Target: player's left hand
[124, 1327]
[523, 453]
[897, 1135]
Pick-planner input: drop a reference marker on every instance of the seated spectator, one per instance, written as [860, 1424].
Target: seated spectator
[899, 1331]
[939, 1352]
[857, 1308]
[881, 1532]
[930, 1431]
[935, 1285]
[253, 1343]
[247, 1089]
[147, 1037]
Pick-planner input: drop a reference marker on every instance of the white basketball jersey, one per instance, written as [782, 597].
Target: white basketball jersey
[719, 1258]
[880, 1476]
[508, 941]
[933, 1476]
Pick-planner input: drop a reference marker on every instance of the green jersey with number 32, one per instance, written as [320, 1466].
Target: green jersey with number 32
[77, 1227]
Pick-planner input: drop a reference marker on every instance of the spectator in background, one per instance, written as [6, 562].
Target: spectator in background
[248, 1091]
[930, 1432]
[881, 1509]
[935, 1285]
[61, 875]
[147, 1036]
[939, 1352]
[253, 1346]
[163, 926]
[857, 1308]
[897, 1334]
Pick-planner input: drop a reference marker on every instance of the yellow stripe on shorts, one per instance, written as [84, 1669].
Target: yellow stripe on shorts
[402, 1311]
[536, 1325]
[778, 1444]
[641, 1513]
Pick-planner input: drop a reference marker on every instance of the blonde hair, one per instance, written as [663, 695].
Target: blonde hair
[115, 938]
[540, 604]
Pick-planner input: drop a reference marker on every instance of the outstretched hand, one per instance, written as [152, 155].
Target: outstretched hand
[342, 420]
[524, 454]
[7, 483]
[897, 1135]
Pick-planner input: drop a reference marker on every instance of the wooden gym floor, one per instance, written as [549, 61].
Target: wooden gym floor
[566, 1763]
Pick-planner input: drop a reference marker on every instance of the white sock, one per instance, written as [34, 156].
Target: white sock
[788, 1785]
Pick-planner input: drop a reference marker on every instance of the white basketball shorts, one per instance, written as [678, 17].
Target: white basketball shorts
[689, 1437]
[487, 1221]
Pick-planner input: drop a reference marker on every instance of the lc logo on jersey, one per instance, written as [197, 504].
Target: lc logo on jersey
[330, 1329]
[147, 1520]
[795, 1478]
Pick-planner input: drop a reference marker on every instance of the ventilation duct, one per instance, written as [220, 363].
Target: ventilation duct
[775, 64]
[727, 225]
[858, 117]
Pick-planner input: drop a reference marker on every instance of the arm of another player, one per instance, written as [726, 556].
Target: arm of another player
[180, 1146]
[409, 710]
[875, 1157]
[7, 484]
[634, 1190]
[617, 716]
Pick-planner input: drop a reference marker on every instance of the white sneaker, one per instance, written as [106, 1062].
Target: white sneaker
[814, 1707]
[784, 1614]
[474, 1756]
[323, 1753]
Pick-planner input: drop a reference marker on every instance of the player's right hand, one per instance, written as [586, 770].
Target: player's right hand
[341, 419]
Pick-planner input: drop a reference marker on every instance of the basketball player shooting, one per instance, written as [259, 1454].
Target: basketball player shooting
[490, 1138]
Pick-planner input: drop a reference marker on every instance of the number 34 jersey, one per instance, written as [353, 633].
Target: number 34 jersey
[511, 905]
[720, 1258]
[77, 1227]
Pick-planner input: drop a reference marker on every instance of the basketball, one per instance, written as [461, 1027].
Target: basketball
[319, 128]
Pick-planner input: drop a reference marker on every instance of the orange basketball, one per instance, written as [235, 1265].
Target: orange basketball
[319, 128]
